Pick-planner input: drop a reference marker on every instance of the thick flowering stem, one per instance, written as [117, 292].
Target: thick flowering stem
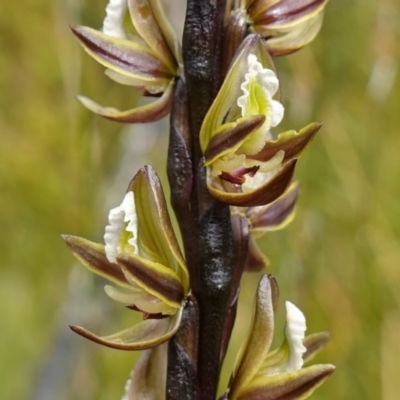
[211, 259]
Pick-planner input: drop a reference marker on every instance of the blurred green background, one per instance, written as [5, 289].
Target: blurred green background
[62, 168]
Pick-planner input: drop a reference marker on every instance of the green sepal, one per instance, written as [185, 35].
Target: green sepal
[92, 255]
[291, 142]
[147, 26]
[262, 195]
[160, 281]
[230, 136]
[297, 385]
[224, 107]
[259, 340]
[144, 335]
[276, 215]
[156, 239]
[147, 113]
[148, 378]
[314, 343]
[121, 55]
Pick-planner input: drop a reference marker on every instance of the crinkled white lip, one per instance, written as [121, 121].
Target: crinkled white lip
[267, 79]
[113, 24]
[295, 331]
[117, 218]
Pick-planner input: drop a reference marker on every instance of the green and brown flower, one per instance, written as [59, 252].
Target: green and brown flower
[261, 374]
[142, 256]
[138, 47]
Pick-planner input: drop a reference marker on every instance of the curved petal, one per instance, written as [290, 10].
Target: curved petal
[167, 29]
[288, 13]
[145, 23]
[259, 340]
[265, 194]
[155, 278]
[156, 239]
[275, 215]
[294, 38]
[293, 385]
[291, 142]
[124, 56]
[149, 377]
[144, 335]
[147, 113]
[141, 300]
[93, 257]
[228, 137]
[314, 344]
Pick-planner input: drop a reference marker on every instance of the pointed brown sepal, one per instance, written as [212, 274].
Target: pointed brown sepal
[144, 335]
[264, 194]
[93, 257]
[291, 142]
[275, 215]
[259, 340]
[155, 278]
[147, 113]
[293, 385]
[123, 56]
[156, 238]
[230, 136]
[287, 11]
[314, 343]
[150, 368]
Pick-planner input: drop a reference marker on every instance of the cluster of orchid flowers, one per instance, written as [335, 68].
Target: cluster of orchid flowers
[248, 167]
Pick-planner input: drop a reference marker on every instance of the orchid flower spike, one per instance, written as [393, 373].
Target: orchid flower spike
[261, 374]
[142, 256]
[138, 47]
[246, 165]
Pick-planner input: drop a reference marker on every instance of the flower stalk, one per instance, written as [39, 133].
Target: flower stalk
[230, 176]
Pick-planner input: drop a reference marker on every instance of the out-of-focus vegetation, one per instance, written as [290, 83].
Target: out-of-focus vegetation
[61, 168]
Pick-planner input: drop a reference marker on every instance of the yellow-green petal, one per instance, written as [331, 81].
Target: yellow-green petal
[149, 377]
[147, 113]
[297, 385]
[93, 257]
[144, 335]
[156, 239]
[259, 340]
[123, 56]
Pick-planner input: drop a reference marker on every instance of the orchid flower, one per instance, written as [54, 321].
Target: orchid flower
[286, 25]
[261, 374]
[138, 47]
[142, 256]
[246, 165]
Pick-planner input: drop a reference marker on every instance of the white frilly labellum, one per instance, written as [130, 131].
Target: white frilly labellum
[113, 24]
[295, 332]
[267, 79]
[117, 218]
